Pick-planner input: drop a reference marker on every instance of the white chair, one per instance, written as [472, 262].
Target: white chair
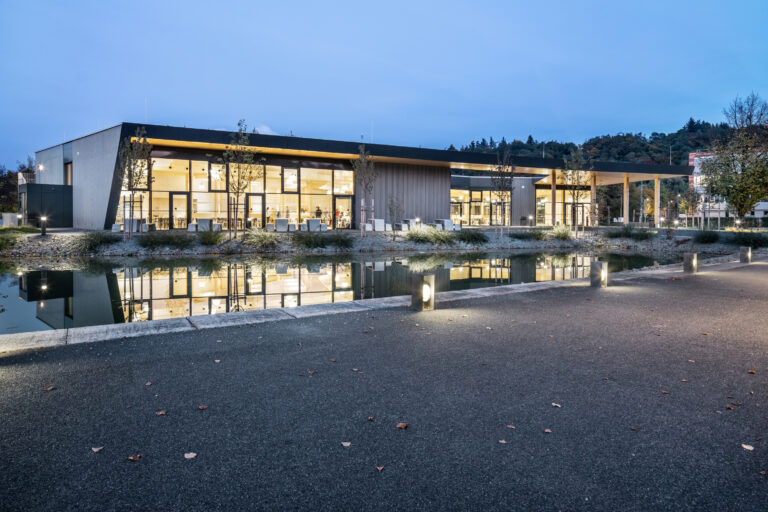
[216, 227]
[323, 227]
[313, 224]
[145, 228]
[291, 227]
[368, 226]
[281, 225]
[387, 227]
[190, 227]
[270, 226]
[446, 223]
[378, 224]
[303, 227]
[117, 228]
[204, 224]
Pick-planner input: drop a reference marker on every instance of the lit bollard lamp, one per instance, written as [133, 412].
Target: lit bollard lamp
[598, 274]
[690, 263]
[423, 292]
[43, 223]
[745, 254]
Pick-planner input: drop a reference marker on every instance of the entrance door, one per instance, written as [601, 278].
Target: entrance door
[254, 209]
[178, 208]
[342, 212]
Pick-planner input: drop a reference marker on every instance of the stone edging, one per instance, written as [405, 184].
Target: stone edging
[77, 335]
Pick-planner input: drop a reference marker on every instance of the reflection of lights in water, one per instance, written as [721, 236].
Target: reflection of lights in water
[44, 287]
[42, 304]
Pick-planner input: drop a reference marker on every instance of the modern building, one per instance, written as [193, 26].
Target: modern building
[306, 178]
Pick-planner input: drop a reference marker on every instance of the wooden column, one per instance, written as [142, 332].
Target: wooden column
[593, 200]
[553, 178]
[626, 198]
[656, 202]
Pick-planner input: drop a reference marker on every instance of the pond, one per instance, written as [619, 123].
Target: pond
[150, 290]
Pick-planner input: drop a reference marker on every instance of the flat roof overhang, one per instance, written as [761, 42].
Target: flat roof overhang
[607, 173]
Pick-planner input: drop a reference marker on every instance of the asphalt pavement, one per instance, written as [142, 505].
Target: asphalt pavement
[648, 395]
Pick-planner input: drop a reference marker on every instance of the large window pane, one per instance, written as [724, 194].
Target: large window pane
[290, 180]
[170, 175]
[209, 205]
[199, 176]
[274, 179]
[282, 206]
[317, 207]
[159, 215]
[218, 177]
[343, 182]
[316, 181]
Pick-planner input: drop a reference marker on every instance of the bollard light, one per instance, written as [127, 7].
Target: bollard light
[690, 263]
[745, 254]
[423, 292]
[676, 222]
[43, 222]
[598, 274]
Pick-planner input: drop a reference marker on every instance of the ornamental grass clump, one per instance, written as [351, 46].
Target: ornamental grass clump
[748, 239]
[210, 237]
[309, 240]
[706, 237]
[165, 239]
[259, 239]
[430, 235]
[529, 234]
[340, 240]
[91, 241]
[561, 232]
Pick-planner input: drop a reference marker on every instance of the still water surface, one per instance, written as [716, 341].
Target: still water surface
[58, 299]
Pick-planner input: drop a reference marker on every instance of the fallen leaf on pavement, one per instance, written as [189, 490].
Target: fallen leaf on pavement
[511, 426]
[161, 413]
[346, 444]
[729, 407]
[664, 391]
[134, 458]
[380, 468]
[219, 341]
[148, 383]
[556, 405]
[502, 441]
[635, 429]
[355, 370]
[202, 407]
[190, 455]
[705, 334]
[736, 403]
[684, 380]
[333, 360]
[691, 361]
[752, 372]
[217, 360]
[402, 425]
[370, 418]
[748, 447]
[97, 449]
[547, 431]
[49, 388]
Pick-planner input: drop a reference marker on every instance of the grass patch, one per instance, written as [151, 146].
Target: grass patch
[19, 229]
[706, 237]
[210, 237]
[309, 240]
[561, 232]
[748, 239]
[529, 234]
[628, 231]
[430, 235]
[259, 239]
[8, 240]
[165, 239]
[89, 242]
[470, 236]
[340, 240]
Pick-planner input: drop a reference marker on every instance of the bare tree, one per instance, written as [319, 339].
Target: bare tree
[365, 177]
[503, 182]
[577, 166]
[136, 165]
[395, 207]
[747, 113]
[243, 168]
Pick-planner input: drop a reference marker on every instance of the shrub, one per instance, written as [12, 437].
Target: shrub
[309, 240]
[430, 235]
[561, 232]
[210, 237]
[529, 234]
[8, 240]
[706, 237]
[625, 231]
[259, 239]
[470, 236]
[340, 240]
[748, 239]
[165, 239]
[642, 234]
[89, 242]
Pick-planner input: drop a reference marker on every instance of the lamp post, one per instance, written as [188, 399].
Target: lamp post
[690, 263]
[745, 254]
[598, 274]
[43, 223]
[530, 220]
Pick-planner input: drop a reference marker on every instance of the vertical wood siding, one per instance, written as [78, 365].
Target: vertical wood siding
[424, 191]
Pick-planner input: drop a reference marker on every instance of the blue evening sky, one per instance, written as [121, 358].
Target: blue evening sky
[414, 73]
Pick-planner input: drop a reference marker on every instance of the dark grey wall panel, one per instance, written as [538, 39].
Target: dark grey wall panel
[424, 191]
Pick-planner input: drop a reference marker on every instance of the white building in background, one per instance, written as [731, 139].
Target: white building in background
[714, 208]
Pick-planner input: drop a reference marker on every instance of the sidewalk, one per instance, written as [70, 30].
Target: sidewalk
[651, 376]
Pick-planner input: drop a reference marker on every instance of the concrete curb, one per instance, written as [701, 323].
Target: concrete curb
[61, 337]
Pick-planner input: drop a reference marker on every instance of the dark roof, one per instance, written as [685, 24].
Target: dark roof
[386, 150]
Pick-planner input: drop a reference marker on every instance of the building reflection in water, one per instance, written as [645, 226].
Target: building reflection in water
[138, 293]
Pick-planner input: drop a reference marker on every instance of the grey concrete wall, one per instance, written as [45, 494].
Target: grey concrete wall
[424, 191]
[93, 172]
[52, 162]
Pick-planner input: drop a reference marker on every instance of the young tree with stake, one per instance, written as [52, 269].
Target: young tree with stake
[365, 177]
[136, 165]
[243, 167]
[503, 182]
[577, 174]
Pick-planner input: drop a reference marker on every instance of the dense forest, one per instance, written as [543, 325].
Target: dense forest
[623, 147]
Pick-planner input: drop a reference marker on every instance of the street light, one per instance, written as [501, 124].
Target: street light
[423, 292]
[43, 222]
[598, 274]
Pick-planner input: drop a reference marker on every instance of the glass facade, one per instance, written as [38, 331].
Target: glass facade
[565, 208]
[186, 188]
[478, 208]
